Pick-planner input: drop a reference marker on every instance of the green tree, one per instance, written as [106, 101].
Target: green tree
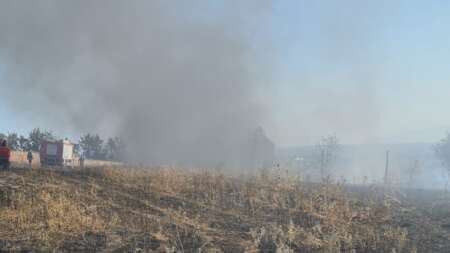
[36, 136]
[77, 149]
[115, 149]
[92, 146]
[24, 143]
[13, 141]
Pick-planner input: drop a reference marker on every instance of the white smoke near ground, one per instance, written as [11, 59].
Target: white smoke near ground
[172, 78]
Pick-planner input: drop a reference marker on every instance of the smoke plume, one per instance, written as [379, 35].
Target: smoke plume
[171, 78]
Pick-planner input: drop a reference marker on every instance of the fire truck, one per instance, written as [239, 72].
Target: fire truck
[5, 154]
[57, 153]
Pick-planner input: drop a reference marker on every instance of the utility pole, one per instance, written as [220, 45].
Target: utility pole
[322, 165]
[386, 169]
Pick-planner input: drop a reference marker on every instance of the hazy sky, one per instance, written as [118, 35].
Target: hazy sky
[369, 71]
[374, 72]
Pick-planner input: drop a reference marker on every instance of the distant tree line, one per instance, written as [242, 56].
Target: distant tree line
[31, 142]
[91, 146]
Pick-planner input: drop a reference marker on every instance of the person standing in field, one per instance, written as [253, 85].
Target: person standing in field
[30, 158]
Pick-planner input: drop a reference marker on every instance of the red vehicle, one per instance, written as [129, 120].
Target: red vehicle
[57, 153]
[5, 154]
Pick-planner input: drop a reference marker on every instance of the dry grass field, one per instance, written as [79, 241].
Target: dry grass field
[117, 209]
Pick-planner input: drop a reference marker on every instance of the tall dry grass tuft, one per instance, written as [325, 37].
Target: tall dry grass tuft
[175, 210]
[48, 216]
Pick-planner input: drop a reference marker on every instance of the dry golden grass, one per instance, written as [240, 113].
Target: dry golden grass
[174, 210]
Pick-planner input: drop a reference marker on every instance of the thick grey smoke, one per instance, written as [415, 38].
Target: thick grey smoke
[172, 78]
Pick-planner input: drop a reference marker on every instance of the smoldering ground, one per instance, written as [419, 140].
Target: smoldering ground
[174, 82]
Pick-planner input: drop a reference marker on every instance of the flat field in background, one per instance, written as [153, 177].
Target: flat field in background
[118, 209]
